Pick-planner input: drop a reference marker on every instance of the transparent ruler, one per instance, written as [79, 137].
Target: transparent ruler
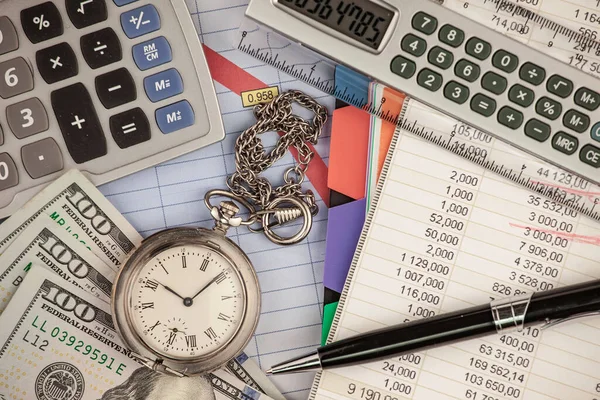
[564, 41]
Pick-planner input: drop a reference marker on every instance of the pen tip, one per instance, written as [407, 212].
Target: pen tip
[270, 371]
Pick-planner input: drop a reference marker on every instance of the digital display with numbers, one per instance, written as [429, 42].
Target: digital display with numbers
[361, 20]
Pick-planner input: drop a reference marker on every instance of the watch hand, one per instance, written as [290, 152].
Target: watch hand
[171, 290]
[207, 285]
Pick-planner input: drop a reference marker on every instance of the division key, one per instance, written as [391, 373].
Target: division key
[79, 123]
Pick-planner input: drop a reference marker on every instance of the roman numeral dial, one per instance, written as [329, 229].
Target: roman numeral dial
[187, 302]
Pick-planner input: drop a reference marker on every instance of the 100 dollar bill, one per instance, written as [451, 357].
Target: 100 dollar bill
[75, 204]
[45, 243]
[246, 370]
[62, 344]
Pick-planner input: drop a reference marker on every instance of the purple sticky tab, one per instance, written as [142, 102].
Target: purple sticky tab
[343, 232]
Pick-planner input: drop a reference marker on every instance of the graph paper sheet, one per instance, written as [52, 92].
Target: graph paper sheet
[172, 195]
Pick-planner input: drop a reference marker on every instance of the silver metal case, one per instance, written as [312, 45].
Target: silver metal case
[188, 58]
[346, 51]
[177, 237]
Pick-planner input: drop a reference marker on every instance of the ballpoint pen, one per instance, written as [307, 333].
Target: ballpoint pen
[515, 313]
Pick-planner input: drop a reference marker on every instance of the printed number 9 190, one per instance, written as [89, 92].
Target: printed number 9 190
[367, 394]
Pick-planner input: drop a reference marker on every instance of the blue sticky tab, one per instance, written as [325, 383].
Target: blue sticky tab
[152, 53]
[163, 85]
[596, 132]
[175, 117]
[124, 2]
[140, 21]
[351, 87]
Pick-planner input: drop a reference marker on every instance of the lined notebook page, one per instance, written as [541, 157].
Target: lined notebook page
[446, 234]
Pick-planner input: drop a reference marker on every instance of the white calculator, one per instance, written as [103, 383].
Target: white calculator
[105, 86]
[460, 67]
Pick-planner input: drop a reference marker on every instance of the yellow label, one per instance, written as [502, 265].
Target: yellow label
[259, 96]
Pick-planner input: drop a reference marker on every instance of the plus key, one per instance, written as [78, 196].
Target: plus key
[79, 123]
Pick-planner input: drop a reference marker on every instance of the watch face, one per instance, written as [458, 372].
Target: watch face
[187, 302]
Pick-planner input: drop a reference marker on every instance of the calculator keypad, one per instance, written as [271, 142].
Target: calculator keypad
[495, 87]
[98, 85]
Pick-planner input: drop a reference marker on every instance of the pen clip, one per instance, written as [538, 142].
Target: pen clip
[550, 323]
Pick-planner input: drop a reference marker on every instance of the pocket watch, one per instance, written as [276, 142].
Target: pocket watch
[187, 300]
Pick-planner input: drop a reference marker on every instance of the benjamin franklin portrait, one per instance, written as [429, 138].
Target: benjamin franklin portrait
[145, 384]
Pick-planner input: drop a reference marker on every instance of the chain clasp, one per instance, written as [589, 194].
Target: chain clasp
[225, 216]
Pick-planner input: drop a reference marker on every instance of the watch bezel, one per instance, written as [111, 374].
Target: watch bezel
[122, 311]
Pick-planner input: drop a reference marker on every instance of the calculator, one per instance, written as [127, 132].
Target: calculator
[108, 87]
[457, 66]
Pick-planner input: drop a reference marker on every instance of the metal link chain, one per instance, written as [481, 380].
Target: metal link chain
[252, 159]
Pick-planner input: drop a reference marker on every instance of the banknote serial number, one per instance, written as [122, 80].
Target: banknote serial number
[80, 346]
[87, 350]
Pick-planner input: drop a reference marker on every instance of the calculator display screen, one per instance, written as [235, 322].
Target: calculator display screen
[361, 20]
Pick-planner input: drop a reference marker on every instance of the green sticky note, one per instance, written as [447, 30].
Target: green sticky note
[328, 314]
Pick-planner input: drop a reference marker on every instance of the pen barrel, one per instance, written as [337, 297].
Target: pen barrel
[565, 302]
[409, 337]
